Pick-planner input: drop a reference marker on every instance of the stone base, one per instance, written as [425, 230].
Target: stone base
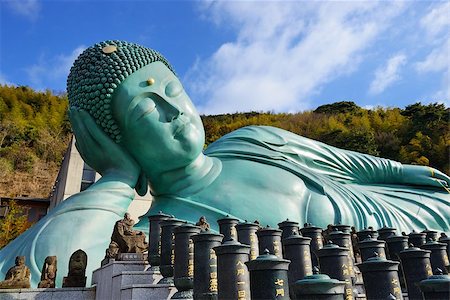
[103, 276]
[49, 294]
[166, 280]
[128, 278]
[189, 294]
[148, 291]
[131, 257]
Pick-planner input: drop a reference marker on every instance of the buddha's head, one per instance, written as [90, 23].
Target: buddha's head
[135, 97]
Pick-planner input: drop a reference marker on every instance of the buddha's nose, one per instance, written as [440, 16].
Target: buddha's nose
[172, 112]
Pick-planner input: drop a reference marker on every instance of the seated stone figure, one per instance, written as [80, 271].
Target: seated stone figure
[202, 223]
[48, 274]
[128, 240]
[135, 125]
[17, 277]
[77, 270]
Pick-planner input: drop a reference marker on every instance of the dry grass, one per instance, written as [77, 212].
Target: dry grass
[37, 183]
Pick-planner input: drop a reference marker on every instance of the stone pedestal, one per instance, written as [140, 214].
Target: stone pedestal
[103, 277]
[48, 294]
[148, 291]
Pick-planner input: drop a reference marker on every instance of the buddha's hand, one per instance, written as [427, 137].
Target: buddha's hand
[100, 152]
[423, 175]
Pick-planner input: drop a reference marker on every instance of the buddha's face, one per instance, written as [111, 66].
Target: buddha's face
[158, 122]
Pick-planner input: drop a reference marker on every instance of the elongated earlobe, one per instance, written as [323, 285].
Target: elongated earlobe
[141, 185]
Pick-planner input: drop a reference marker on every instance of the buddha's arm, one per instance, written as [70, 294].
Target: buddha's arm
[273, 144]
[350, 166]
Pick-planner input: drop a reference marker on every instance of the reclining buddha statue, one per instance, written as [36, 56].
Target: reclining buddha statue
[137, 127]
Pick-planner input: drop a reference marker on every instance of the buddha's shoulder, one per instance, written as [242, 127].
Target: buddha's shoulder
[259, 136]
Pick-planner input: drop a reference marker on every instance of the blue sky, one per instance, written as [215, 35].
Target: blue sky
[281, 56]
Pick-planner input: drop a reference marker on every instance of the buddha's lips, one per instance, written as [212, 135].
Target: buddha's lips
[179, 129]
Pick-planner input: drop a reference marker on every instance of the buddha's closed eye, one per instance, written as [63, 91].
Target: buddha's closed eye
[144, 107]
[173, 89]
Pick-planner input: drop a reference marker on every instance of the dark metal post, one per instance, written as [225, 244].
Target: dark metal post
[395, 244]
[270, 239]
[227, 227]
[439, 258]
[385, 232]
[154, 239]
[431, 234]
[417, 238]
[315, 233]
[369, 246]
[436, 287]
[318, 287]
[416, 267]
[296, 249]
[268, 277]
[446, 240]
[334, 261]
[205, 264]
[288, 228]
[343, 239]
[381, 278]
[247, 235]
[341, 227]
[183, 267]
[167, 249]
[232, 274]
[364, 234]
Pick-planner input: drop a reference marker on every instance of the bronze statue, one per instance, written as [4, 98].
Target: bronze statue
[77, 270]
[18, 276]
[127, 239]
[202, 223]
[48, 274]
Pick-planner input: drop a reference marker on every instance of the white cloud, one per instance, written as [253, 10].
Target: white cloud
[52, 70]
[436, 23]
[437, 60]
[437, 19]
[4, 80]
[284, 52]
[27, 8]
[388, 74]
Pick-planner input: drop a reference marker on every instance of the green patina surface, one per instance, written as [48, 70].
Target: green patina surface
[146, 133]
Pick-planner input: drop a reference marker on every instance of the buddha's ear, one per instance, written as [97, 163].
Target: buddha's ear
[141, 185]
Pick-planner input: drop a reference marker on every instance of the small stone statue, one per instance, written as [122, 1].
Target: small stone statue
[48, 274]
[202, 223]
[77, 270]
[127, 239]
[112, 253]
[18, 276]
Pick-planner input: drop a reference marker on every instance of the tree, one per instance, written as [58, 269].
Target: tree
[13, 224]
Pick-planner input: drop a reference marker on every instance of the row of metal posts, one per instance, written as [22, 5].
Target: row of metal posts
[246, 261]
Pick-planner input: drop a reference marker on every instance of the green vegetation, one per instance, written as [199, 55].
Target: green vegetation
[35, 132]
[418, 134]
[13, 224]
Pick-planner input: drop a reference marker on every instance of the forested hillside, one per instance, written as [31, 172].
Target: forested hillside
[34, 134]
